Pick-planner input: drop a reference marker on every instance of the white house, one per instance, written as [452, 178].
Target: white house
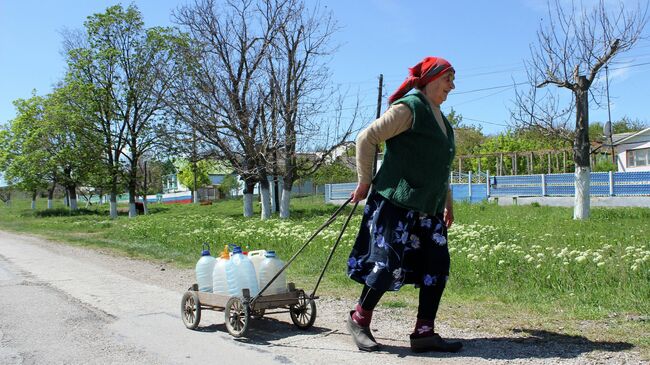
[633, 150]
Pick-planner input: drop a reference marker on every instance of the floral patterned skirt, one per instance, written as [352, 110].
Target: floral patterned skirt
[397, 246]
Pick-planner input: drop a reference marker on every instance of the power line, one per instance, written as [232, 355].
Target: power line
[491, 88]
[483, 121]
[479, 98]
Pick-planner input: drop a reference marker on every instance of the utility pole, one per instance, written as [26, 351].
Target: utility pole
[144, 196]
[381, 84]
[195, 199]
[609, 118]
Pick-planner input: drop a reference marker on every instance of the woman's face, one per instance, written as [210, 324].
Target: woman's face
[438, 89]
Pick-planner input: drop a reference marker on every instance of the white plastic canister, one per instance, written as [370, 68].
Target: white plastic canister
[270, 266]
[219, 277]
[241, 274]
[204, 268]
[257, 257]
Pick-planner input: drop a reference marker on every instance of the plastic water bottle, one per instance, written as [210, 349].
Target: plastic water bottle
[241, 274]
[257, 257]
[219, 277]
[204, 268]
[270, 266]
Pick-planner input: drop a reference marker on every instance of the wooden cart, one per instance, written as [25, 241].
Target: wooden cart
[239, 309]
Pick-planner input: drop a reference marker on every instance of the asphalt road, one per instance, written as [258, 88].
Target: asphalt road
[70, 305]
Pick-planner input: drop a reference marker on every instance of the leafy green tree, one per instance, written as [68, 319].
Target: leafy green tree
[333, 173]
[194, 175]
[74, 156]
[24, 163]
[228, 184]
[123, 68]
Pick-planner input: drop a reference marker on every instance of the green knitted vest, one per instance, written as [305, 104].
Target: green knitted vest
[415, 171]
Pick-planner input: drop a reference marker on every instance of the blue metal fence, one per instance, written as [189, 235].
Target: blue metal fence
[602, 184]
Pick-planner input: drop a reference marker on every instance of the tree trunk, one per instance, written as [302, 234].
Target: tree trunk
[113, 205]
[145, 205]
[284, 204]
[34, 194]
[582, 203]
[132, 191]
[50, 198]
[248, 197]
[266, 199]
[581, 151]
[72, 193]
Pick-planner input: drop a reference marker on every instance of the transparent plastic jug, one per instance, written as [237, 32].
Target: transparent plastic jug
[241, 274]
[219, 277]
[204, 268]
[270, 266]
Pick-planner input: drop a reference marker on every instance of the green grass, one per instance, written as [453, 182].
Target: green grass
[511, 266]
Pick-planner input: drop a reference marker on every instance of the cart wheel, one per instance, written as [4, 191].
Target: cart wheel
[236, 317]
[303, 314]
[258, 314]
[191, 310]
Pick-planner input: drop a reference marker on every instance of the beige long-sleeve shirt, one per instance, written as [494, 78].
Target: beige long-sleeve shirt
[395, 120]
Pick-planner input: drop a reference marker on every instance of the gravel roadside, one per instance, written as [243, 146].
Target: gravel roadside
[389, 325]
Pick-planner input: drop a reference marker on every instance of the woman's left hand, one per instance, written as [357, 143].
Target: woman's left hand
[448, 216]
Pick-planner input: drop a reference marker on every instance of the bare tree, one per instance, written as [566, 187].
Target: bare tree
[299, 76]
[223, 89]
[571, 49]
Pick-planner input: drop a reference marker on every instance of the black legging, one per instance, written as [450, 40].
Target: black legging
[429, 299]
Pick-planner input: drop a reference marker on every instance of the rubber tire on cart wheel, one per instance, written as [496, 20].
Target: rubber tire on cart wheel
[303, 314]
[237, 317]
[191, 310]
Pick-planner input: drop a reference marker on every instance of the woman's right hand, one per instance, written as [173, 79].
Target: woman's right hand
[360, 193]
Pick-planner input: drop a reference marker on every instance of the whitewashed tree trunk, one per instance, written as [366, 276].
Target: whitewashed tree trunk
[284, 204]
[113, 206]
[50, 204]
[145, 206]
[132, 211]
[248, 205]
[196, 197]
[33, 204]
[582, 193]
[73, 204]
[266, 202]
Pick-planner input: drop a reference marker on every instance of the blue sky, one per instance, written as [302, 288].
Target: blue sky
[486, 41]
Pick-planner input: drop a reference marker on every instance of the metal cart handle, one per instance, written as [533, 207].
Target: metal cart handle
[327, 223]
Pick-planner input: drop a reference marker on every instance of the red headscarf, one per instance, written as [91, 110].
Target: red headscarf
[427, 70]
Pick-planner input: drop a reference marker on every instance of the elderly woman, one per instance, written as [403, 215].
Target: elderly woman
[403, 233]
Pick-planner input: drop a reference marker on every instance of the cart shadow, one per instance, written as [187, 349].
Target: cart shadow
[538, 344]
[263, 331]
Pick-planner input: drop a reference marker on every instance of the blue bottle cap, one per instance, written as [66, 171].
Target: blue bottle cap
[236, 249]
[270, 253]
[206, 249]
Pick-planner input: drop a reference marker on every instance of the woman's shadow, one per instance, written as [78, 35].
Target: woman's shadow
[524, 344]
[529, 343]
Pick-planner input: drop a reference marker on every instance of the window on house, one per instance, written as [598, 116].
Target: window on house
[637, 158]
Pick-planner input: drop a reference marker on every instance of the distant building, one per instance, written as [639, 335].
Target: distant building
[632, 150]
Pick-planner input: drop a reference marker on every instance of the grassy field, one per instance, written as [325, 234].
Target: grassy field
[513, 268]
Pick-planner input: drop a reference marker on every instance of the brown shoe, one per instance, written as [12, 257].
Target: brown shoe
[433, 343]
[361, 335]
